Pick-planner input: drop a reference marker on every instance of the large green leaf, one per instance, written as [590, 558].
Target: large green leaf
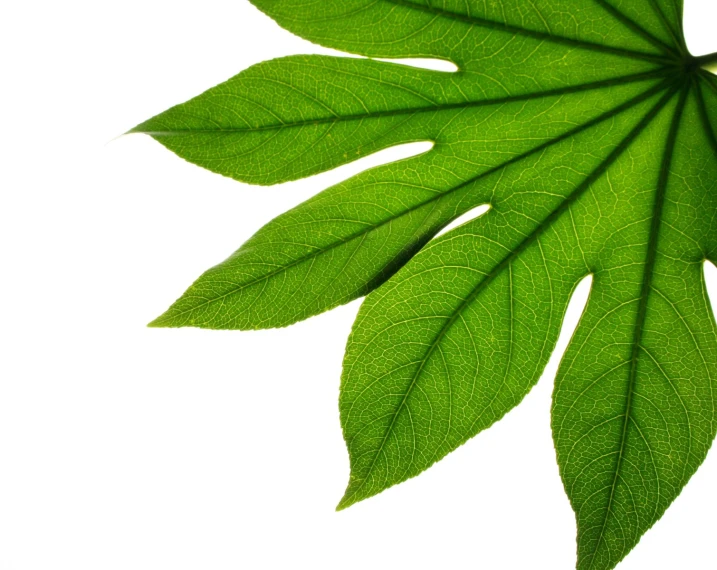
[589, 130]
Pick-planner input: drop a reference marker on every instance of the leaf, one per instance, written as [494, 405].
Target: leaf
[589, 130]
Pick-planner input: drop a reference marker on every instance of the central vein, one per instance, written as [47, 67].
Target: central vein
[648, 274]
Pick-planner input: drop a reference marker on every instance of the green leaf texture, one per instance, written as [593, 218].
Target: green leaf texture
[589, 130]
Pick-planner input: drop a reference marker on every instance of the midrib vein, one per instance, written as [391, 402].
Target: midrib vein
[498, 269]
[648, 274]
[668, 26]
[637, 28]
[583, 87]
[599, 119]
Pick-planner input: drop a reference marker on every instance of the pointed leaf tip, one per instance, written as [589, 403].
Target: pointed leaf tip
[163, 321]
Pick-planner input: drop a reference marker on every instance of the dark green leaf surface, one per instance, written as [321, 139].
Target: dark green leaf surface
[589, 131]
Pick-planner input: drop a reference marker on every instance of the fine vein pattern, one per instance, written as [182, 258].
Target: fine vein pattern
[589, 131]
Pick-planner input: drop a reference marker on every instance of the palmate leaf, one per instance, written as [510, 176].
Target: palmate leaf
[589, 130]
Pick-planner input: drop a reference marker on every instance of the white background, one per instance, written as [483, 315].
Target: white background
[123, 447]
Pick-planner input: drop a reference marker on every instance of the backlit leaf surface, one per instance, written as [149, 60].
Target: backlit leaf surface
[589, 131]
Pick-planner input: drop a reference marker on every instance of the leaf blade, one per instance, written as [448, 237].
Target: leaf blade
[582, 174]
[387, 312]
[347, 26]
[630, 434]
[392, 212]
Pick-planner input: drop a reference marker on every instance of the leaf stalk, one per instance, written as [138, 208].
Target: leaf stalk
[707, 61]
